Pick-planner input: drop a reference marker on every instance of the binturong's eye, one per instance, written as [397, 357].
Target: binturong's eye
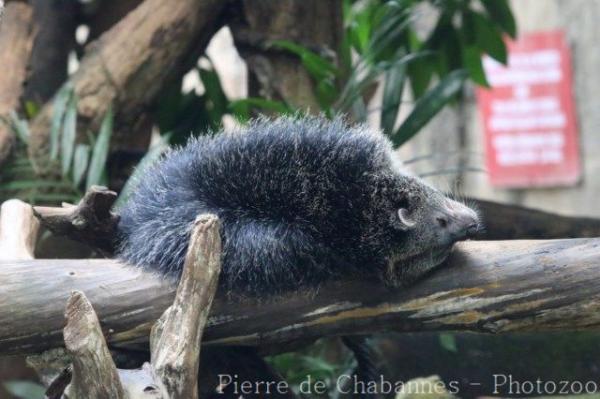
[405, 220]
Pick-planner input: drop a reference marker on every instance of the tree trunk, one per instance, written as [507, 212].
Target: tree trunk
[276, 74]
[55, 25]
[16, 39]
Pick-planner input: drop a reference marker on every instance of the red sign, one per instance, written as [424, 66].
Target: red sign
[528, 115]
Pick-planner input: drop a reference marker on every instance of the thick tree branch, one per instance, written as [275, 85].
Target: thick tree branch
[128, 65]
[55, 22]
[485, 287]
[16, 41]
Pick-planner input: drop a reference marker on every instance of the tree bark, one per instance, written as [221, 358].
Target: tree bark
[94, 372]
[276, 74]
[55, 25]
[174, 340]
[16, 39]
[91, 221]
[128, 65]
[175, 337]
[484, 287]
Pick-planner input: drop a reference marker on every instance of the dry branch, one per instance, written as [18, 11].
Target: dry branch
[174, 341]
[485, 287]
[90, 222]
[128, 65]
[94, 372]
[16, 40]
[18, 231]
[175, 337]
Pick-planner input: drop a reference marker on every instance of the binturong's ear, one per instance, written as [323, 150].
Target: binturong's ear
[403, 220]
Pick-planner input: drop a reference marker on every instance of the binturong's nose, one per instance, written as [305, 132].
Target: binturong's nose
[456, 221]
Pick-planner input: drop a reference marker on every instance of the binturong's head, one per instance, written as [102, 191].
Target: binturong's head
[426, 223]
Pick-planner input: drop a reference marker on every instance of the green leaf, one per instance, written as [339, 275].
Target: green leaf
[448, 342]
[420, 73]
[80, 163]
[473, 63]
[326, 93]
[242, 107]
[100, 151]
[69, 134]
[148, 160]
[58, 111]
[488, 38]
[450, 51]
[392, 96]
[20, 127]
[359, 29]
[31, 109]
[429, 105]
[500, 12]
[318, 67]
[215, 94]
[25, 389]
[392, 30]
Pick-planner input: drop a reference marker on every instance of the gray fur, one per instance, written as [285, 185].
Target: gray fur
[300, 200]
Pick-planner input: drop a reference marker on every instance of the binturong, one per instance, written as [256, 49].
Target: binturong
[301, 201]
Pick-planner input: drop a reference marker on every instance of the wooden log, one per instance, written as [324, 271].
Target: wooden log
[128, 65]
[487, 286]
[16, 41]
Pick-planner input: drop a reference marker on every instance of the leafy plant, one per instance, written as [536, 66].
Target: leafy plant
[154, 153]
[183, 114]
[78, 161]
[315, 361]
[387, 49]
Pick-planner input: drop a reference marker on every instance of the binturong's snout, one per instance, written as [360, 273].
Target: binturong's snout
[456, 221]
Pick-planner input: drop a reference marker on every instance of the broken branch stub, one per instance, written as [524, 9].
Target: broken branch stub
[175, 337]
[90, 222]
[94, 372]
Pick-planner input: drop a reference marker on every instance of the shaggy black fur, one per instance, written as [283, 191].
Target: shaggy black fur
[300, 200]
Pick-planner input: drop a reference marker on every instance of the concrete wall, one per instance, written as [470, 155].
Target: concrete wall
[460, 128]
